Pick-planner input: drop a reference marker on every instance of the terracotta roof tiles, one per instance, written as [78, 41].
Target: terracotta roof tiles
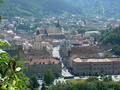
[43, 61]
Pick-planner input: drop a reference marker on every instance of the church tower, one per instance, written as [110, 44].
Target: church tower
[37, 40]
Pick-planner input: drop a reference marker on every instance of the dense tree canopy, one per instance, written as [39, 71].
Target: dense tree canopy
[91, 84]
[112, 37]
[33, 82]
[48, 77]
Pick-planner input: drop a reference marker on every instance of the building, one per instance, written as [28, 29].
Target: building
[92, 33]
[14, 50]
[51, 32]
[39, 53]
[91, 66]
[40, 45]
[39, 66]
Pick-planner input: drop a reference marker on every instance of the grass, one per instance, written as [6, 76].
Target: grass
[76, 80]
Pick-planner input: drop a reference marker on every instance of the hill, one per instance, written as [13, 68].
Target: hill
[107, 8]
[99, 7]
[35, 7]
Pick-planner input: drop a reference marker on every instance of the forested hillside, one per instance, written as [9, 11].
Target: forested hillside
[112, 37]
[36, 7]
[100, 7]
[43, 7]
[19, 8]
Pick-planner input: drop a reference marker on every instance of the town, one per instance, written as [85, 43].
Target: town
[66, 44]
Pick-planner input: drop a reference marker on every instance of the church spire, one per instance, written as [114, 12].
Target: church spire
[37, 32]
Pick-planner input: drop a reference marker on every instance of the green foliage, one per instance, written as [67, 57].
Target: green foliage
[91, 79]
[83, 29]
[24, 27]
[36, 7]
[33, 82]
[96, 74]
[112, 37]
[2, 2]
[107, 79]
[107, 55]
[11, 72]
[116, 49]
[48, 77]
[43, 86]
[107, 84]
[73, 32]
[42, 7]
[99, 7]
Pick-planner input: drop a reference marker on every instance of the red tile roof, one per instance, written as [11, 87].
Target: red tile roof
[43, 61]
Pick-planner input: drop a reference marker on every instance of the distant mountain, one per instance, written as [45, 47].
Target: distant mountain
[36, 7]
[19, 8]
[100, 7]
[43, 7]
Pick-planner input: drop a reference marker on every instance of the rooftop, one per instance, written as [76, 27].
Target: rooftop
[96, 60]
[43, 61]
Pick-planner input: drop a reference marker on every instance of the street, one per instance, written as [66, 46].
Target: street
[55, 53]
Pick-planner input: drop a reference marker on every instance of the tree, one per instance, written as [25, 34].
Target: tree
[96, 74]
[2, 2]
[116, 49]
[73, 32]
[83, 73]
[48, 77]
[11, 72]
[107, 79]
[107, 54]
[91, 79]
[33, 82]
[90, 74]
[43, 86]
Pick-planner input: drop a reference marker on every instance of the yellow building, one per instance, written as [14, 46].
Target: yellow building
[96, 65]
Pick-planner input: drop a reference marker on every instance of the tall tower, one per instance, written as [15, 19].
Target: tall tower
[37, 36]
[37, 40]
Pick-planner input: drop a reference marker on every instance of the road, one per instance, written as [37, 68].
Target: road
[55, 53]
[65, 71]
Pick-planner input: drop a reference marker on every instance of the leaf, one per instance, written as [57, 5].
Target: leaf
[2, 2]
[4, 42]
[16, 78]
[11, 88]
[3, 88]
[5, 57]
[3, 64]
[14, 82]
[20, 84]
